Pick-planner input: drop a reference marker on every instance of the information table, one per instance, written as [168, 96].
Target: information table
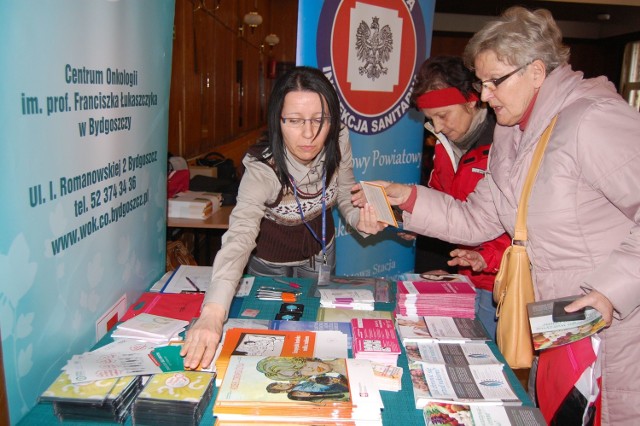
[399, 407]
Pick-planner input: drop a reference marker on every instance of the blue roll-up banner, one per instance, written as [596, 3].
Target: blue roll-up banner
[371, 51]
[84, 127]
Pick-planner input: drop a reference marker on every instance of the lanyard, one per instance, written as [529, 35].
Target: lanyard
[322, 241]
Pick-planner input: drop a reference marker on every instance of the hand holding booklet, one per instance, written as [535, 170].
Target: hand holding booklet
[551, 326]
[377, 197]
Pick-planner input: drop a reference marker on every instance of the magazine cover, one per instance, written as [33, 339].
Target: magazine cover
[258, 342]
[275, 379]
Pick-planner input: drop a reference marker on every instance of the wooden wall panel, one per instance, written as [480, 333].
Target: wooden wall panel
[219, 88]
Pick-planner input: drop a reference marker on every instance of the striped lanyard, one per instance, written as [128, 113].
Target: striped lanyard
[322, 241]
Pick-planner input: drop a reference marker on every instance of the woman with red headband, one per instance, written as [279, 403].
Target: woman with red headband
[464, 129]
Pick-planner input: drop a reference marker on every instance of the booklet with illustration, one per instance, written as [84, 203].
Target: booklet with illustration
[298, 390]
[548, 333]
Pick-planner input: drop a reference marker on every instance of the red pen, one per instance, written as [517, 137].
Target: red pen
[289, 283]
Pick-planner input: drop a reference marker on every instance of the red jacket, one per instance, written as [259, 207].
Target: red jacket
[459, 184]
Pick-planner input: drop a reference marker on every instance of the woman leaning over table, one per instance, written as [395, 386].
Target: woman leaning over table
[584, 210]
[464, 128]
[291, 182]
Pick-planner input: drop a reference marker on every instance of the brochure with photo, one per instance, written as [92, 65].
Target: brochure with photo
[547, 333]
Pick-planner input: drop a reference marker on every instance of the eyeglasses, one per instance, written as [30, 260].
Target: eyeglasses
[493, 83]
[297, 122]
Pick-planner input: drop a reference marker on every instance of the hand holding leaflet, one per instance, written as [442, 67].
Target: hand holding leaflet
[377, 197]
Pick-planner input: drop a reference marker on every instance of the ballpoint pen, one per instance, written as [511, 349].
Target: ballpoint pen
[289, 283]
[193, 284]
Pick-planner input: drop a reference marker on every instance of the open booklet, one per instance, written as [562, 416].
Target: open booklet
[484, 384]
[547, 333]
[377, 197]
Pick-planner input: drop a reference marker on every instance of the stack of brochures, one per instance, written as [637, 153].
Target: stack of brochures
[442, 295]
[360, 299]
[298, 390]
[388, 377]
[194, 205]
[451, 362]
[376, 340]
[105, 400]
[150, 328]
[442, 329]
[475, 384]
[117, 359]
[176, 398]
[436, 414]
[380, 288]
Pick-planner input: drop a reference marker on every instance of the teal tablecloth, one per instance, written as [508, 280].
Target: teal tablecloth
[399, 407]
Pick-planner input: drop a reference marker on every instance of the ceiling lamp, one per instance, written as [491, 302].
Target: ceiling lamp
[252, 19]
[272, 40]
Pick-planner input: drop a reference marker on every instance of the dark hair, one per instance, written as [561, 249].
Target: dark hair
[304, 79]
[440, 72]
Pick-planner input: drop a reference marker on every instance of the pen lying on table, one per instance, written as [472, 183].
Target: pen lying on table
[289, 283]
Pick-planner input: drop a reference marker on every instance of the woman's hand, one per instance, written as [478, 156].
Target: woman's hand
[369, 221]
[203, 337]
[467, 258]
[397, 193]
[597, 301]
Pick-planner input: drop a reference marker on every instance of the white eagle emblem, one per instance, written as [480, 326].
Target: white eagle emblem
[374, 46]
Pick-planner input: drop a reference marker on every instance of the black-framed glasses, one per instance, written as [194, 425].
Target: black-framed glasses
[493, 83]
[298, 122]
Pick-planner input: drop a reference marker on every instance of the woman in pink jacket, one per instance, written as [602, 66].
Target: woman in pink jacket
[584, 210]
[464, 128]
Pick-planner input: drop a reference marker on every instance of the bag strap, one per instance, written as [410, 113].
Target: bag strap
[520, 235]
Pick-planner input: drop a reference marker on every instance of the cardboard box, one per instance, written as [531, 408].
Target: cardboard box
[203, 171]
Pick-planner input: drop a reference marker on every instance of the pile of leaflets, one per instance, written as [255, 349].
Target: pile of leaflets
[380, 288]
[150, 328]
[452, 383]
[388, 377]
[471, 415]
[438, 295]
[441, 329]
[194, 205]
[361, 299]
[107, 400]
[116, 359]
[176, 398]
[375, 339]
[298, 390]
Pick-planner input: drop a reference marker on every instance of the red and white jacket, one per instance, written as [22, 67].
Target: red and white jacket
[459, 181]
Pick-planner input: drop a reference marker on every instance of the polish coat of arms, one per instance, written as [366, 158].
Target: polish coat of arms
[374, 46]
